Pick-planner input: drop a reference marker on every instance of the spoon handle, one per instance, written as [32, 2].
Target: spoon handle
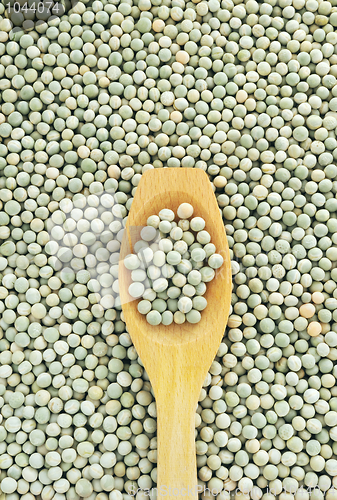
[176, 405]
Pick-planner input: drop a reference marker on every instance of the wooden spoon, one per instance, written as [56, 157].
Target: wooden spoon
[177, 357]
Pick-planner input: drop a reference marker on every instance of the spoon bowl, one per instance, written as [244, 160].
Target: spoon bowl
[177, 357]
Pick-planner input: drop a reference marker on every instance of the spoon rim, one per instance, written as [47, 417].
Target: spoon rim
[186, 333]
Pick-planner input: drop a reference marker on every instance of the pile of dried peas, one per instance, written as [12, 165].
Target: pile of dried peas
[246, 91]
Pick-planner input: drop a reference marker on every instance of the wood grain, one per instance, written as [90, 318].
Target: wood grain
[177, 357]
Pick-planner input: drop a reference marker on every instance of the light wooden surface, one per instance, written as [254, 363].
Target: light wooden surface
[177, 357]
